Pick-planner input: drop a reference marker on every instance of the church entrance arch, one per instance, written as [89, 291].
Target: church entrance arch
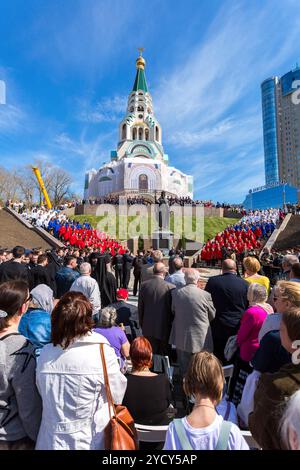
[143, 182]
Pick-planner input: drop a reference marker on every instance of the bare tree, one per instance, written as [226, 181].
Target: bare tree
[23, 183]
[60, 182]
[26, 187]
[9, 188]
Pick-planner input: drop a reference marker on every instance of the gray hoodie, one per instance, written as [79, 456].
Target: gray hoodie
[20, 403]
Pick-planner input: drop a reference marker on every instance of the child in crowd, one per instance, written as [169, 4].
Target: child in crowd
[203, 428]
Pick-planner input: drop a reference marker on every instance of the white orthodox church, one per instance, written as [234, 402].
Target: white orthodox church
[139, 165]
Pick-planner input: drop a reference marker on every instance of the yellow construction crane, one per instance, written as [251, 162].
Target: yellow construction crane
[40, 181]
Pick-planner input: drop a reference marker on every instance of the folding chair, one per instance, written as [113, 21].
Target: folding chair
[161, 364]
[228, 373]
[151, 433]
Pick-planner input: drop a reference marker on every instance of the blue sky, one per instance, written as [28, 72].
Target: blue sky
[69, 67]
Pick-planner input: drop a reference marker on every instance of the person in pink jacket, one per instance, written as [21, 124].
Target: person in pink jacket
[247, 337]
[252, 320]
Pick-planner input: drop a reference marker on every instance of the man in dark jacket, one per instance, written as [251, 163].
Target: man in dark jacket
[127, 265]
[40, 273]
[229, 295]
[66, 276]
[154, 306]
[118, 263]
[15, 269]
[273, 390]
[137, 264]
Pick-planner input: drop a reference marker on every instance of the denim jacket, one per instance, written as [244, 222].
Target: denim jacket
[64, 279]
[35, 325]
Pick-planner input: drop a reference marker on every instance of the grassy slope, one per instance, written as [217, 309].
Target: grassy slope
[212, 225]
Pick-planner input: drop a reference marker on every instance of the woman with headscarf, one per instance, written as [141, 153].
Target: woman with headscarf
[106, 281]
[35, 324]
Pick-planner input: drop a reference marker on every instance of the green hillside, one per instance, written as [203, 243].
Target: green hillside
[212, 225]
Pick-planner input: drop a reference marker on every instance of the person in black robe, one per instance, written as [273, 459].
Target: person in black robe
[106, 281]
[55, 262]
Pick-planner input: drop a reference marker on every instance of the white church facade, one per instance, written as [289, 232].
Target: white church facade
[139, 165]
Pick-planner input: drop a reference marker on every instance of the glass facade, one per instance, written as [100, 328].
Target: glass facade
[287, 81]
[274, 197]
[268, 92]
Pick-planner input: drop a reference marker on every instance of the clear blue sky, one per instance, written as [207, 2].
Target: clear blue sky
[70, 65]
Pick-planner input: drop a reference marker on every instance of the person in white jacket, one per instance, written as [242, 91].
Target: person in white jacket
[70, 380]
[88, 287]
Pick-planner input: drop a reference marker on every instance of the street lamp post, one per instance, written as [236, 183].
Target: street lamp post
[283, 195]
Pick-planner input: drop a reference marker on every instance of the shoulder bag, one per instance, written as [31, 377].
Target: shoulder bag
[120, 433]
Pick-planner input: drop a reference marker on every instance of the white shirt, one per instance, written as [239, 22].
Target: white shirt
[88, 287]
[205, 438]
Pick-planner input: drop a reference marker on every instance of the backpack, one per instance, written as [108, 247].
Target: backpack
[185, 442]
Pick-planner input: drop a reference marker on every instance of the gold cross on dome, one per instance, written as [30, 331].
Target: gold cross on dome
[141, 50]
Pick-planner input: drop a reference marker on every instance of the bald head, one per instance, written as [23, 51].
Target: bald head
[228, 265]
[159, 269]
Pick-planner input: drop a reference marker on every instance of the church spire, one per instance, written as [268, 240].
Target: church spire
[140, 79]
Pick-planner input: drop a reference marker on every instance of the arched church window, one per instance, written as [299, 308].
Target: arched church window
[134, 133]
[140, 133]
[143, 182]
[147, 134]
[156, 133]
[124, 132]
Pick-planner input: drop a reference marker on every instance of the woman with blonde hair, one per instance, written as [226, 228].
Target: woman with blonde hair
[203, 428]
[286, 296]
[252, 267]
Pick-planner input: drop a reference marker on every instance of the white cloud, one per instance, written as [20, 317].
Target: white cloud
[12, 118]
[209, 104]
[93, 151]
[105, 110]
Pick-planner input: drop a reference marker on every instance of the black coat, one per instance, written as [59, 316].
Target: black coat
[127, 260]
[41, 275]
[13, 271]
[229, 295]
[154, 307]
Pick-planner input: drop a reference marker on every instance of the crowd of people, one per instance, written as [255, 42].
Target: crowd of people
[71, 232]
[240, 238]
[58, 307]
[139, 199]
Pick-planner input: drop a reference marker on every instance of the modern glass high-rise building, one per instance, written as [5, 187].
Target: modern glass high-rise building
[281, 128]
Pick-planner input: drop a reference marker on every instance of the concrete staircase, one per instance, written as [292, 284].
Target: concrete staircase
[289, 237]
[16, 231]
